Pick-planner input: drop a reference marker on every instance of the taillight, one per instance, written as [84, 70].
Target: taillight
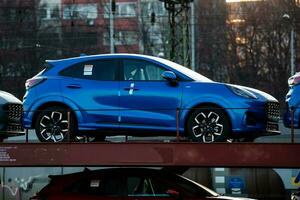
[33, 82]
[294, 80]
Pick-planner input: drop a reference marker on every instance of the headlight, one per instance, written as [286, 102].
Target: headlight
[242, 92]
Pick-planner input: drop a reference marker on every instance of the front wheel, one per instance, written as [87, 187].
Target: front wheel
[208, 124]
[52, 125]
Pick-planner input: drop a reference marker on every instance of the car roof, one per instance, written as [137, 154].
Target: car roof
[99, 56]
[86, 171]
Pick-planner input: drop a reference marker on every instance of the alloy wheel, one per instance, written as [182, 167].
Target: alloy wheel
[53, 126]
[207, 126]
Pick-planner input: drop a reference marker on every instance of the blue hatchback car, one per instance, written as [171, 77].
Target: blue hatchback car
[129, 94]
[292, 100]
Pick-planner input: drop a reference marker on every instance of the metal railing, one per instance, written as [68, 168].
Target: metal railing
[292, 120]
[178, 118]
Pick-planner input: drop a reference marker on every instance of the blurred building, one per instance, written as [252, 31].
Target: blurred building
[17, 43]
[86, 26]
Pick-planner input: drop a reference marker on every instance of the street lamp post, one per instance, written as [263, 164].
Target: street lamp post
[292, 46]
[287, 17]
[111, 25]
[193, 61]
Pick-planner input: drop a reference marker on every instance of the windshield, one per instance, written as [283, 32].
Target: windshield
[186, 71]
[193, 183]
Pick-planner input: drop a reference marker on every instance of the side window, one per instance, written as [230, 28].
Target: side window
[74, 71]
[99, 186]
[146, 186]
[142, 71]
[102, 70]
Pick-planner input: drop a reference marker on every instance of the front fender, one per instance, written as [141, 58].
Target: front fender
[202, 100]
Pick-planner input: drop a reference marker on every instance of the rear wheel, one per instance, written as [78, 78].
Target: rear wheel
[208, 124]
[52, 125]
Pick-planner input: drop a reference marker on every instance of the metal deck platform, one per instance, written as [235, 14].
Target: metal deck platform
[151, 154]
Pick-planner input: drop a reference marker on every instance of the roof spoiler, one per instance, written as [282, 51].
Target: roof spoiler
[85, 170]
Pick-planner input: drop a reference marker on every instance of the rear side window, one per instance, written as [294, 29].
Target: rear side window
[102, 70]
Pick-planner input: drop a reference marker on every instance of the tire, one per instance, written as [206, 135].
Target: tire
[52, 125]
[208, 124]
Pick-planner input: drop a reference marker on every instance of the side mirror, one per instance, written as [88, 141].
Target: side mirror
[169, 75]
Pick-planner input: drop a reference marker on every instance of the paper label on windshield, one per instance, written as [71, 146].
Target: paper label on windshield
[88, 70]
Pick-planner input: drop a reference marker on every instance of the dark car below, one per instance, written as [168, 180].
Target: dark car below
[10, 116]
[125, 184]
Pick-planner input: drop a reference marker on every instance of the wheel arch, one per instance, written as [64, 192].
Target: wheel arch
[203, 104]
[51, 104]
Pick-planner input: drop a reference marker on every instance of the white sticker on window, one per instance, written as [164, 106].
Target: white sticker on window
[95, 183]
[88, 70]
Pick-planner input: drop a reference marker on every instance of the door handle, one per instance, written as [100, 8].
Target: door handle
[73, 86]
[130, 88]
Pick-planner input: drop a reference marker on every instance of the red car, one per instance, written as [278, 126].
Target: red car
[125, 184]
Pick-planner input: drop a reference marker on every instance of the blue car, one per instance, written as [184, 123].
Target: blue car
[292, 100]
[140, 95]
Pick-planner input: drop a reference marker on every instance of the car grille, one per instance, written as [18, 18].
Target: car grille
[273, 111]
[14, 112]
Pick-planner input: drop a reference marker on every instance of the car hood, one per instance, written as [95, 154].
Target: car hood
[6, 97]
[258, 93]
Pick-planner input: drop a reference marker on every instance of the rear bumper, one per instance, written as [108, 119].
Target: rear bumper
[287, 118]
[288, 123]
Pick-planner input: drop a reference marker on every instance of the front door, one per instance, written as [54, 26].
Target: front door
[147, 101]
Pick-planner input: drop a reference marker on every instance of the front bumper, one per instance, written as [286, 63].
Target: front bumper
[262, 120]
[10, 120]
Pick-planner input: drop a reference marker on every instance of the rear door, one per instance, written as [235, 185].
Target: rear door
[93, 87]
